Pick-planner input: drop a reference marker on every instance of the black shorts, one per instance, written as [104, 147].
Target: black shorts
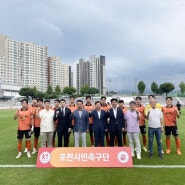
[36, 132]
[171, 129]
[21, 133]
[143, 129]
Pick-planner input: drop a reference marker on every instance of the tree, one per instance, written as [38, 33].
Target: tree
[69, 90]
[49, 90]
[57, 90]
[154, 87]
[26, 91]
[84, 90]
[141, 87]
[167, 87]
[93, 90]
[182, 88]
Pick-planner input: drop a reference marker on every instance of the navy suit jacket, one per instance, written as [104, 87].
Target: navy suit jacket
[80, 123]
[119, 121]
[99, 122]
[64, 122]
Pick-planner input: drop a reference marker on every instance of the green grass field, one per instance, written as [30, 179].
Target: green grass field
[83, 176]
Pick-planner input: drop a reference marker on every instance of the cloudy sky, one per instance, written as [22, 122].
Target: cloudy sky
[141, 39]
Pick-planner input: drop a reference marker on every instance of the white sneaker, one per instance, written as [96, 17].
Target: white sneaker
[133, 154]
[144, 148]
[34, 151]
[26, 150]
[19, 155]
[28, 154]
[162, 152]
[138, 156]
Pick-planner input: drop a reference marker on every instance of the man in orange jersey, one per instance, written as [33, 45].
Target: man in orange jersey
[56, 107]
[72, 107]
[24, 115]
[141, 109]
[124, 109]
[105, 107]
[170, 113]
[89, 107]
[32, 108]
[36, 129]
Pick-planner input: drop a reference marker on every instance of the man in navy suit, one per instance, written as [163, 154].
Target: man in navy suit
[63, 127]
[116, 123]
[99, 125]
[81, 124]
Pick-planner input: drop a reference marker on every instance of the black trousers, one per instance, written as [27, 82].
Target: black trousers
[65, 135]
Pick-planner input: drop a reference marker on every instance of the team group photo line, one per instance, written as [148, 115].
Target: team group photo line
[107, 124]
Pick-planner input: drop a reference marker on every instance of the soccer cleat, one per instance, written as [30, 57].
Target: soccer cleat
[34, 151]
[162, 152]
[28, 154]
[19, 155]
[144, 148]
[26, 150]
[168, 151]
[178, 152]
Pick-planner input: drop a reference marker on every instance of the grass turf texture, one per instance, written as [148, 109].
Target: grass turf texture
[8, 145]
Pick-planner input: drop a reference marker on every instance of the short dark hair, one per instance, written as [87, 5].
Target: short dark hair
[72, 97]
[24, 100]
[46, 101]
[88, 96]
[62, 100]
[151, 95]
[39, 99]
[132, 102]
[169, 97]
[103, 97]
[79, 101]
[34, 98]
[138, 98]
[113, 99]
[57, 100]
[97, 102]
[121, 101]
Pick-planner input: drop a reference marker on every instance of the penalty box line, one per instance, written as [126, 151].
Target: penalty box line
[135, 166]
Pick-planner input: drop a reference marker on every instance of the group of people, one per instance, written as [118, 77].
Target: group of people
[111, 121]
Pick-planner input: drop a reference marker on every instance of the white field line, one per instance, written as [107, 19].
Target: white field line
[135, 166]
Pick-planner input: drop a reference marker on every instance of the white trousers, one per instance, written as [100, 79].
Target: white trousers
[134, 140]
[80, 135]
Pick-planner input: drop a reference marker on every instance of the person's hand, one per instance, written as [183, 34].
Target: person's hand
[69, 130]
[87, 131]
[123, 129]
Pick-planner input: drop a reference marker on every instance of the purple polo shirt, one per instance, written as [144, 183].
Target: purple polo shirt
[132, 122]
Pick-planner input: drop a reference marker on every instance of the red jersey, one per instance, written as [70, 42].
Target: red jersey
[141, 109]
[170, 115]
[24, 117]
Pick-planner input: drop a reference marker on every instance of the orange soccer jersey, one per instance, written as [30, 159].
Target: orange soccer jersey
[36, 116]
[141, 109]
[24, 117]
[89, 108]
[105, 107]
[170, 115]
[72, 108]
